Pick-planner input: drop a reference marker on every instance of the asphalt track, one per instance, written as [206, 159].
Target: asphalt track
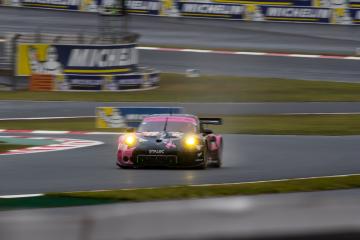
[215, 34]
[246, 158]
[25, 109]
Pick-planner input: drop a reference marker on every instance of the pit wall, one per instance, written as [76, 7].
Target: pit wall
[345, 12]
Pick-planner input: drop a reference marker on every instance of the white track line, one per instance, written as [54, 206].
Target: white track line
[23, 195]
[271, 54]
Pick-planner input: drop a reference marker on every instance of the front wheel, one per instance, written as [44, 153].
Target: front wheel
[205, 164]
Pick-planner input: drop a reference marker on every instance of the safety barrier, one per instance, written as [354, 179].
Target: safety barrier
[345, 12]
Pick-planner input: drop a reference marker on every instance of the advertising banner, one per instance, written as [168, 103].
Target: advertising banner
[57, 4]
[343, 16]
[297, 14]
[266, 2]
[214, 10]
[354, 3]
[107, 82]
[150, 7]
[355, 15]
[123, 117]
[90, 5]
[76, 59]
[330, 3]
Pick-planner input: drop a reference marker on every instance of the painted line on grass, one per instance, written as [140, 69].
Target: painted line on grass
[270, 54]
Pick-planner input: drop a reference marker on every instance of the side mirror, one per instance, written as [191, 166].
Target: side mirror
[207, 131]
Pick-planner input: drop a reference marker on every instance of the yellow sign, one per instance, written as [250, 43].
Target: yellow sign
[29, 58]
[109, 117]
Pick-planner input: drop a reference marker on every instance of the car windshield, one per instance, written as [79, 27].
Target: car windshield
[172, 126]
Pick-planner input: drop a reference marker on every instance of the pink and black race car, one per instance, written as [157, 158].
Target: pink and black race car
[178, 140]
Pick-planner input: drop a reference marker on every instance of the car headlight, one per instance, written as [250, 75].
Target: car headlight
[191, 141]
[130, 140]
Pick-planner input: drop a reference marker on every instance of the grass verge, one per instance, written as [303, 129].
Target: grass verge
[346, 124]
[182, 192]
[6, 147]
[179, 88]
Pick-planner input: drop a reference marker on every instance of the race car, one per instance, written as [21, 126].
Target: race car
[177, 140]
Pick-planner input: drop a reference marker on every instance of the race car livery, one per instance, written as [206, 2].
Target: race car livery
[166, 140]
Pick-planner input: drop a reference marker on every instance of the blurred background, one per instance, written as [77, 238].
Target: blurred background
[283, 75]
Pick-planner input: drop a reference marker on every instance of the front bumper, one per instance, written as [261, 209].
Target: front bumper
[141, 159]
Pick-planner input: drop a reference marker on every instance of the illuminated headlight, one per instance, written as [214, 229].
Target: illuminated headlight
[191, 141]
[130, 140]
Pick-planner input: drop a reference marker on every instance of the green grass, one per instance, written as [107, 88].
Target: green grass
[178, 88]
[6, 147]
[260, 124]
[47, 202]
[190, 192]
[182, 192]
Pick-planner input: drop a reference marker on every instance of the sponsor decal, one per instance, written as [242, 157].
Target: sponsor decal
[76, 59]
[156, 151]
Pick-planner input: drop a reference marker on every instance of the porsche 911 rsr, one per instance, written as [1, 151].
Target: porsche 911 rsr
[178, 140]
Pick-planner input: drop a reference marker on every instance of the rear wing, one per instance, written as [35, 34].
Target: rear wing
[212, 121]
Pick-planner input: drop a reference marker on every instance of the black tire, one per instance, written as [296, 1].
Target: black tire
[205, 164]
[218, 163]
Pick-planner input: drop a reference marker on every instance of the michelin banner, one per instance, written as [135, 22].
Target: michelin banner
[54, 4]
[124, 117]
[107, 82]
[76, 59]
[213, 10]
[296, 14]
[309, 11]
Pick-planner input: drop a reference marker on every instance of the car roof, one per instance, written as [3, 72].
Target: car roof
[180, 117]
[171, 115]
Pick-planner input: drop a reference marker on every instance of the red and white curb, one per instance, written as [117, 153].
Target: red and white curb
[270, 54]
[63, 144]
[58, 132]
